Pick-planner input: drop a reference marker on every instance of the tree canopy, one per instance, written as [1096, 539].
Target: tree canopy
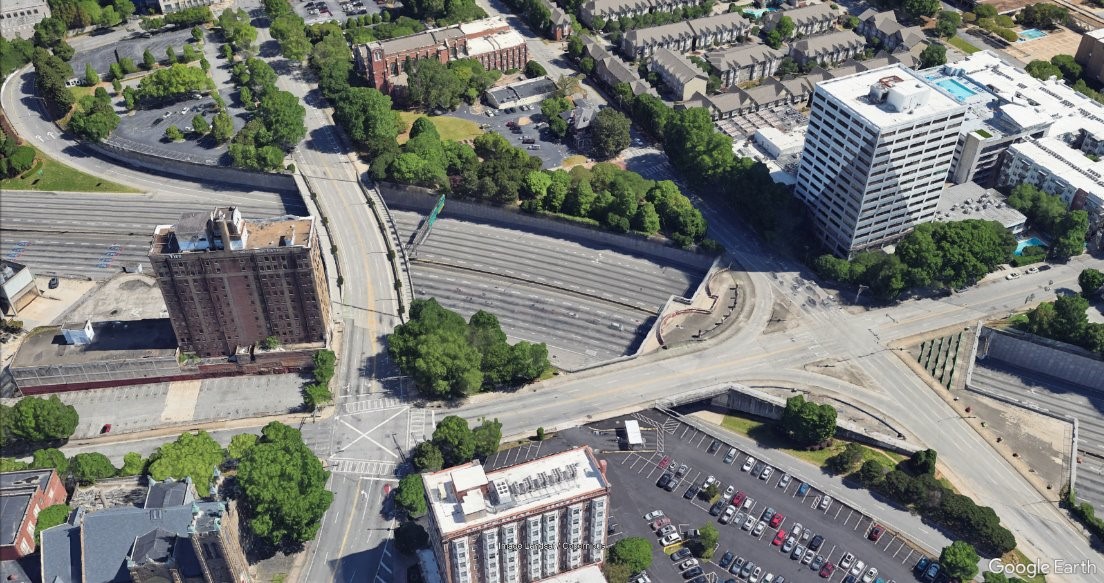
[609, 133]
[410, 495]
[934, 55]
[37, 419]
[284, 487]
[1069, 229]
[806, 422]
[634, 552]
[960, 560]
[172, 82]
[95, 119]
[1090, 280]
[455, 440]
[367, 117]
[90, 467]
[1043, 15]
[192, 455]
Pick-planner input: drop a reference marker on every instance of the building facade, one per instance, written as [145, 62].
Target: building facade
[1090, 54]
[490, 41]
[23, 495]
[808, 20]
[19, 17]
[230, 283]
[689, 35]
[609, 10]
[745, 63]
[169, 6]
[890, 35]
[683, 77]
[521, 523]
[17, 287]
[834, 47]
[876, 155]
[1058, 169]
[611, 70]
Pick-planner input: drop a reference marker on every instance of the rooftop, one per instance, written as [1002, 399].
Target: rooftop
[16, 491]
[201, 231]
[438, 36]
[677, 65]
[1069, 164]
[523, 89]
[494, 42]
[905, 96]
[825, 42]
[5, 265]
[114, 341]
[587, 574]
[972, 201]
[742, 56]
[513, 490]
[803, 15]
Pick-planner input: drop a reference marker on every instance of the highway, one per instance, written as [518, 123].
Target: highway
[353, 544]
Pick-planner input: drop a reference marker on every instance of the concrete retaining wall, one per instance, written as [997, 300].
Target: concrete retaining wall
[1056, 359]
[754, 402]
[422, 200]
[199, 172]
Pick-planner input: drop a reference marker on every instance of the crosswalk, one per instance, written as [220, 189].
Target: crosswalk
[371, 468]
[418, 421]
[373, 405]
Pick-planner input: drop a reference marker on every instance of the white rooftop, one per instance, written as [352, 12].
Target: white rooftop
[1066, 163]
[494, 42]
[513, 490]
[587, 574]
[908, 97]
[632, 432]
[970, 200]
[482, 25]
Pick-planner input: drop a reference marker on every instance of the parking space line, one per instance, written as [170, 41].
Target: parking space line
[683, 434]
[838, 510]
[898, 551]
[849, 515]
[890, 542]
[908, 556]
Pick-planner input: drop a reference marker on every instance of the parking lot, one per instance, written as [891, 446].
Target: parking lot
[314, 11]
[671, 443]
[131, 47]
[144, 131]
[529, 125]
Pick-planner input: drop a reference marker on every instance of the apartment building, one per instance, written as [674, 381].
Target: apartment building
[19, 17]
[1090, 54]
[608, 10]
[169, 6]
[23, 495]
[808, 20]
[1057, 167]
[521, 523]
[611, 70]
[683, 77]
[689, 35]
[491, 41]
[745, 63]
[876, 154]
[833, 47]
[230, 283]
[889, 33]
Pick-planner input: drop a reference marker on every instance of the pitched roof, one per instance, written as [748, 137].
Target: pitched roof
[677, 66]
[821, 43]
[769, 91]
[16, 491]
[801, 16]
[743, 56]
[667, 33]
[719, 23]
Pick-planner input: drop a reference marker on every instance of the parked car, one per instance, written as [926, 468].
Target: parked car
[674, 483]
[755, 574]
[737, 565]
[796, 529]
[713, 447]
[717, 508]
[726, 559]
[748, 463]
[849, 579]
[666, 530]
[680, 554]
[767, 471]
[681, 471]
[803, 489]
[670, 539]
[876, 532]
[729, 491]
[748, 568]
[759, 528]
[739, 497]
[846, 560]
[798, 552]
[748, 503]
[768, 513]
[922, 565]
[663, 463]
[789, 544]
[808, 557]
[818, 562]
[728, 514]
[779, 538]
[106, 428]
[692, 573]
[54, 283]
[857, 568]
[662, 522]
[817, 541]
[758, 468]
[664, 480]
[825, 502]
[871, 573]
[709, 481]
[748, 523]
[653, 515]
[784, 480]
[777, 520]
[730, 456]
[932, 573]
[827, 570]
[691, 492]
[688, 563]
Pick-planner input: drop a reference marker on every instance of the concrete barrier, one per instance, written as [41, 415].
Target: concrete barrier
[1028, 351]
[422, 200]
[199, 172]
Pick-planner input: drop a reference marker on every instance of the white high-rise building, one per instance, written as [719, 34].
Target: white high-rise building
[876, 155]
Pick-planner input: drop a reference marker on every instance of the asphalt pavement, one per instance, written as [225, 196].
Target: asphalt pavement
[132, 46]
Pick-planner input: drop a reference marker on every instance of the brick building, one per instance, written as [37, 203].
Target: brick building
[230, 283]
[521, 523]
[490, 41]
[22, 496]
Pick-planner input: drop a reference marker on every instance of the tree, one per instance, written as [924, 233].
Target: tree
[785, 27]
[634, 552]
[934, 55]
[410, 495]
[283, 487]
[960, 560]
[95, 119]
[283, 116]
[194, 455]
[846, 460]
[1070, 68]
[49, 31]
[35, 419]
[170, 55]
[367, 117]
[428, 457]
[609, 133]
[409, 537]
[923, 462]
[148, 60]
[200, 125]
[50, 458]
[89, 467]
[173, 81]
[871, 474]
[90, 76]
[432, 85]
[455, 440]
[8, 464]
[918, 8]
[534, 69]
[1090, 280]
[1043, 69]
[222, 127]
[133, 464]
[174, 134]
[50, 517]
[240, 445]
[116, 86]
[64, 51]
[288, 30]
[551, 109]
[487, 437]
[806, 422]
[704, 154]
[707, 541]
[432, 347]
[540, 434]
[947, 24]
[1071, 232]
[197, 34]
[1043, 15]
[189, 54]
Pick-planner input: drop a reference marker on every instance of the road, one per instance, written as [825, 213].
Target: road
[353, 533]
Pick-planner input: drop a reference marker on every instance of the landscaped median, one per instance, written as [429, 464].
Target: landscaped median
[48, 174]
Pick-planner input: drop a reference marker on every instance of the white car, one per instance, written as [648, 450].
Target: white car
[666, 530]
[857, 568]
[750, 522]
[747, 464]
[797, 528]
[845, 561]
[755, 574]
[729, 491]
[688, 564]
[871, 573]
[1032, 269]
[784, 481]
[767, 471]
[670, 539]
[1012, 275]
[808, 558]
[748, 502]
[825, 502]
[653, 515]
[728, 514]
[759, 528]
[709, 481]
[798, 552]
[789, 544]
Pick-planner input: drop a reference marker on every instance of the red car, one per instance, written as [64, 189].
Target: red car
[660, 523]
[827, 570]
[663, 463]
[738, 498]
[876, 532]
[776, 520]
[779, 538]
[106, 428]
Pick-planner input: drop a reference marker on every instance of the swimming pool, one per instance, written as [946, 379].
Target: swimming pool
[758, 12]
[957, 89]
[1030, 242]
[1031, 34]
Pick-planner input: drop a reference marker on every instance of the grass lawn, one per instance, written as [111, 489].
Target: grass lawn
[764, 434]
[1015, 556]
[573, 161]
[450, 128]
[56, 176]
[962, 45]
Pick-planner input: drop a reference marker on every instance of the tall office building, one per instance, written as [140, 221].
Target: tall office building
[230, 283]
[521, 523]
[876, 155]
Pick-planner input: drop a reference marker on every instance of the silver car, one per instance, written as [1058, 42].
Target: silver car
[767, 471]
[797, 528]
[784, 481]
[798, 552]
[749, 522]
[789, 544]
[759, 528]
[808, 557]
